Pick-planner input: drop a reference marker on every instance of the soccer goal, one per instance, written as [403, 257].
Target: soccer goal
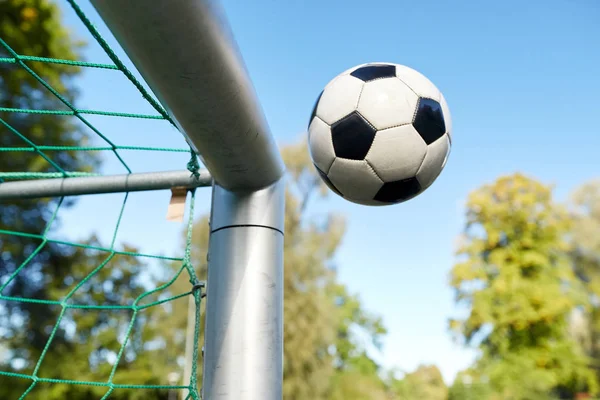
[185, 52]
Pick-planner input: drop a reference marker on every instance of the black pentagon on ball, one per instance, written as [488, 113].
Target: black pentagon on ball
[352, 136]
[398, 191]
[429, 120]
[314, 111]
[372, 72]
[327, 181]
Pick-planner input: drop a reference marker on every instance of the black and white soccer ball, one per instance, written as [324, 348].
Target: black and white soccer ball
[379, 134]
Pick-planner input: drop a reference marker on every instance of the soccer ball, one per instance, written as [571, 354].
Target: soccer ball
[379, 134]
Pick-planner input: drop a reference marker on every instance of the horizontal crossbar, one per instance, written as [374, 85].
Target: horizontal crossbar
[186, 53]
[58, 187]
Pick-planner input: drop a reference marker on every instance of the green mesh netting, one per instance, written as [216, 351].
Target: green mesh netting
[68, 302]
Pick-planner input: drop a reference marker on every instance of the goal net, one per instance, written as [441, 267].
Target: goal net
[79, 317]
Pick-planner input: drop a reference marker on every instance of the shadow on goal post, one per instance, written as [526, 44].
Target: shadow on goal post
[185, 52]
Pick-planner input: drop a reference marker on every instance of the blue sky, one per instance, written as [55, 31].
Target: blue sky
[521, 80]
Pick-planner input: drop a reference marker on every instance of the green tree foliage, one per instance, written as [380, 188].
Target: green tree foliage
[33, 28]
[426, 382]
[327, 331]
[357, 385]
[585, 255]
[586, 229]
[85, 344]
[465, 387]
[515, 280]
[87, 341]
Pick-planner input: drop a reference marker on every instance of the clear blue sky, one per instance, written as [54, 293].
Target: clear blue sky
[521, 79]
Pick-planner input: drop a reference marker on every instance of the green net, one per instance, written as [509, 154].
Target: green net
[143, 301]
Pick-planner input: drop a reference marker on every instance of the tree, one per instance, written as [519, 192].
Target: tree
[321, 317]
[357, 385]
[465, 387]
[33, 28]
[426, 382]
[88, 338]
[585, 256]
[86, 341]
[515, 280]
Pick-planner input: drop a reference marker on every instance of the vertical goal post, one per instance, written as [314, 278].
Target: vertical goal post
[185, 51]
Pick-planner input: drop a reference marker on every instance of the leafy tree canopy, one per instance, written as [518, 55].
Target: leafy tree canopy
[517, 284]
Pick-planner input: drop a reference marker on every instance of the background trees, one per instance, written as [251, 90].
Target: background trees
[33, 28]
[585, 255]
[426, 382]
[522, 282]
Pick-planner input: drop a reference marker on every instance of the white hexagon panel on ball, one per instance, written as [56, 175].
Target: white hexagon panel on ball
[379, 134]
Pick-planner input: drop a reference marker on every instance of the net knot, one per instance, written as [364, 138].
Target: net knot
[193, 165]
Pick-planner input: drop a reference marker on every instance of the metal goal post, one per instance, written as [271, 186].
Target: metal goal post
[185, 51]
